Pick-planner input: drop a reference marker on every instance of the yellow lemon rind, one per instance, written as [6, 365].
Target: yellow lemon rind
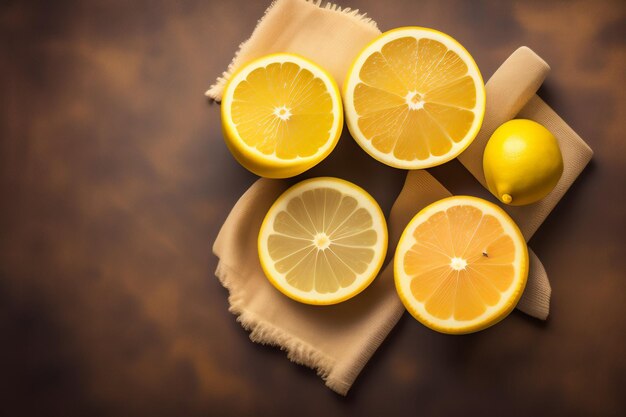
[521, 178]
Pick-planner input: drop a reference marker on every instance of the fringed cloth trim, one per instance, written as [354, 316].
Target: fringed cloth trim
[215, 91]
[265, 333]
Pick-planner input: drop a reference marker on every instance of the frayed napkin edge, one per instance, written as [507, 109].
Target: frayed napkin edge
[265, 333]
[215, 91]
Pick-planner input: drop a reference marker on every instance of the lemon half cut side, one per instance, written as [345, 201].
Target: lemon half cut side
[323, 241]
[461, 265]
[281, 115]
[414, 98]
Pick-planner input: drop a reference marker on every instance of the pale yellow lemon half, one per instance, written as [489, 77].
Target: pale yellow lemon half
[323, 241]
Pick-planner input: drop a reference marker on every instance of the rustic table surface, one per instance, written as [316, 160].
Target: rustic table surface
[114, 181]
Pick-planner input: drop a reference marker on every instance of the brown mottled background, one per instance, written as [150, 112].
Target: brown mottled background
[114, 181]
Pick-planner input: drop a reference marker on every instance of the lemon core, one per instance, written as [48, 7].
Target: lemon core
[283, 112]
[414, 100]
[458, 264]
[321, 241]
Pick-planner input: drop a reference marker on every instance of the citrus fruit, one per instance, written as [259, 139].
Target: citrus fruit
[323, 241]
[281, 115]
[461, 265]
[522, 162]
[414, 98]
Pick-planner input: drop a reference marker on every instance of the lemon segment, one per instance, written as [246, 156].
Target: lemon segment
[414, 98]
[323, 241]
[461, 265]
[281, 115]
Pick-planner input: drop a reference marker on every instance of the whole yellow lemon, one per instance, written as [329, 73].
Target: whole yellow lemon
[522, 162]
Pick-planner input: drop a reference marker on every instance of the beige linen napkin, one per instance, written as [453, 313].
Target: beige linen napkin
[330, 36]
[338, 340]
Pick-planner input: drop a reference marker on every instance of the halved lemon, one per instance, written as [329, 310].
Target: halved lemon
[414, 98]
[323, 241]
[281, 115]
[461, 265]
